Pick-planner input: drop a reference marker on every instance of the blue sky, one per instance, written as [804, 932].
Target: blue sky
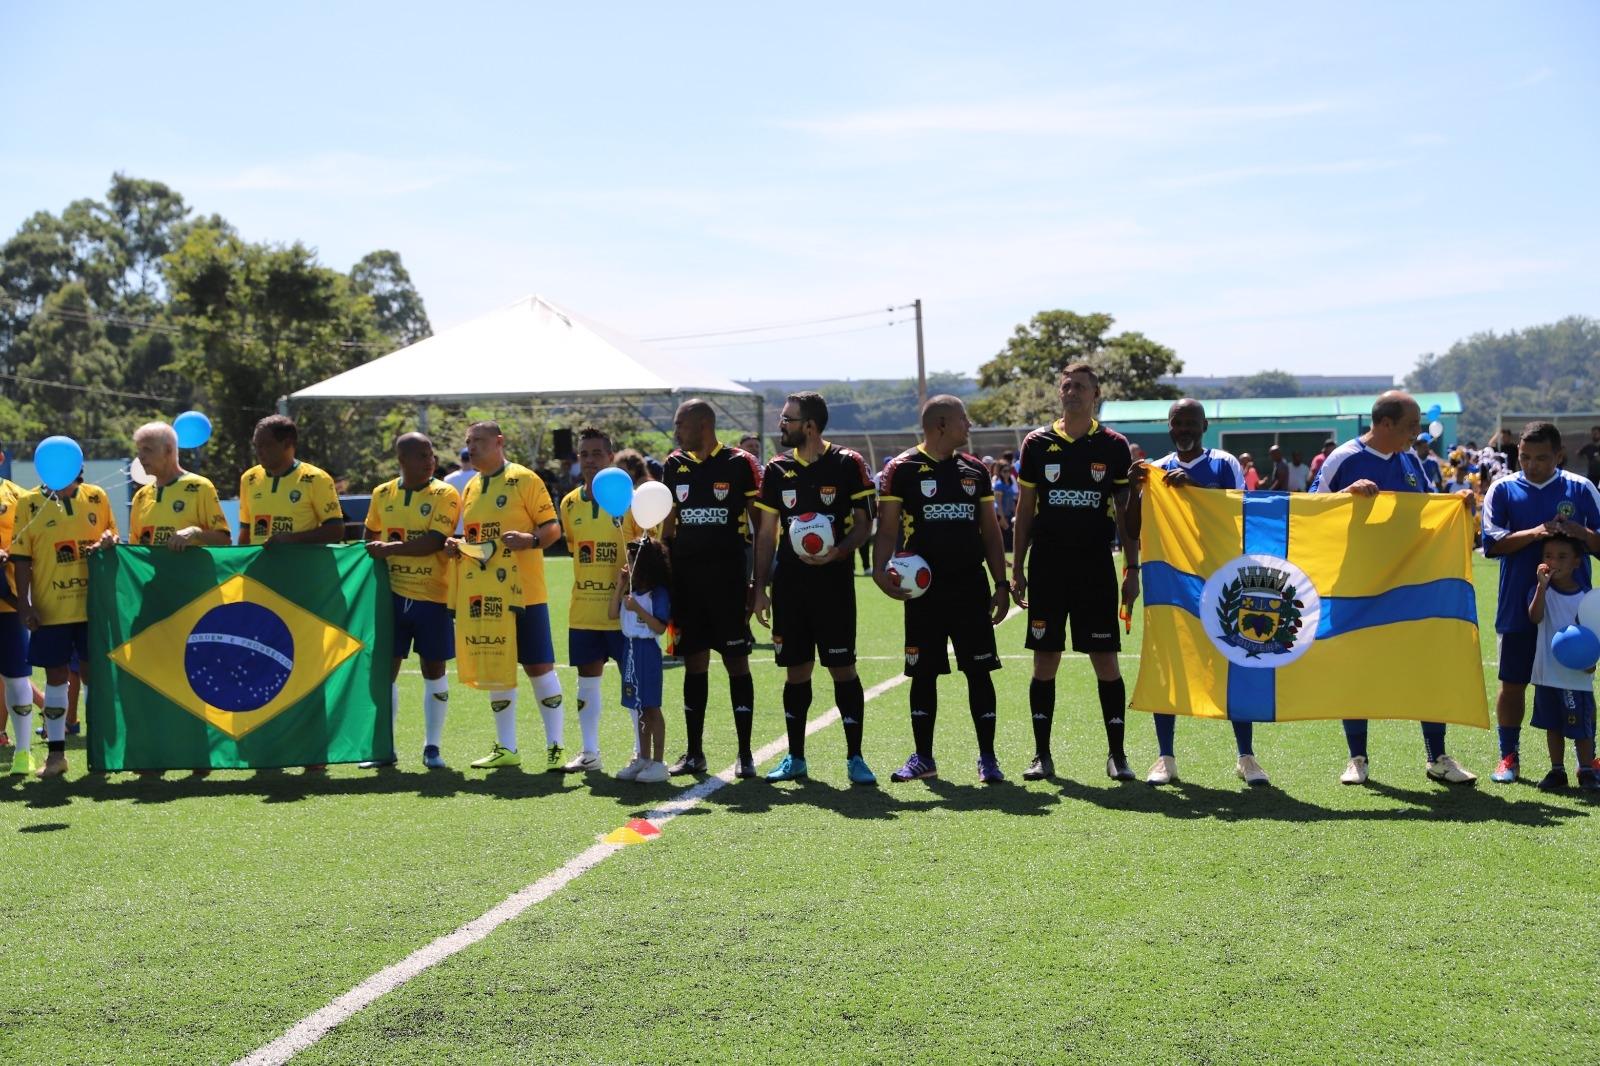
[1315, 188]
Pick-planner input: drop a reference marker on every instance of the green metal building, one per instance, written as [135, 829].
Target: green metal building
[1294, 423]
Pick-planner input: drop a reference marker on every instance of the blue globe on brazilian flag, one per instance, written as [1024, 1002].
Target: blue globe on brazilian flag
[238, 658]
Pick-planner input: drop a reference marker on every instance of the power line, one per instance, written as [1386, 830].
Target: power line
[124, 322]
[779, 325]
[96, 389]
[780, 340]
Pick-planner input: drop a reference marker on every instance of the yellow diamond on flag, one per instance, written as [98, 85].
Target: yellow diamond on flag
[237, 656]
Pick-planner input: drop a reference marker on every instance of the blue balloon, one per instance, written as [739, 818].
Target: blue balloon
[1433, 413]
[193, 429]
[58, 462]
[613, 491]
[1576, 648]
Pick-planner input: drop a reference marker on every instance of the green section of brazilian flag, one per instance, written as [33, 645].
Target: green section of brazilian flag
[238, 658]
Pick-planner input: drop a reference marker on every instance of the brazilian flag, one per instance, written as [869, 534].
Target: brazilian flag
[238, 658]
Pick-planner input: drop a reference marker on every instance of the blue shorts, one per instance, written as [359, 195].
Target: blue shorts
[585, 646]
[534, 645]
[641, 674]
[1516, 655]
[13, 647]
[426, 625]
[59, 645]
[1568, 711]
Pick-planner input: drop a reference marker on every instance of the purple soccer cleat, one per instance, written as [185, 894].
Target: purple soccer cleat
[916, 769]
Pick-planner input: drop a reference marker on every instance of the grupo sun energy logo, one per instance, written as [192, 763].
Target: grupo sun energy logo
[1260, 611]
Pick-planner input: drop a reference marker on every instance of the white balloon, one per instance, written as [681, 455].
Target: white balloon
[1436, 428]
[1589, 611]
[652, 502]
[136, 472]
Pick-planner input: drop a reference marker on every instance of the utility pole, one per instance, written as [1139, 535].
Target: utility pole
[922, 367]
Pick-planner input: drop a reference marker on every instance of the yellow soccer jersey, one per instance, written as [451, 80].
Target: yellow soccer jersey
[299, 501]
[597, 543]
[161, 510]
[485, 598]
[513, 499]
[10, 496]
[53, 532]
[399, 513]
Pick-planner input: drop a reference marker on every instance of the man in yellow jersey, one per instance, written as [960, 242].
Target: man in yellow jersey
[178, 510]
[408, 522]
[283, 500]
[14, 640]
[597, 542]
[508, 504]
[55, 532]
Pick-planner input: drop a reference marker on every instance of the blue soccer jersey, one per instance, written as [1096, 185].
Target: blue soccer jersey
[1513, 503]
[1213, 468]
[1355, 461]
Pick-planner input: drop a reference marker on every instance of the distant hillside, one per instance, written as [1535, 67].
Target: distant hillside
[867, 404]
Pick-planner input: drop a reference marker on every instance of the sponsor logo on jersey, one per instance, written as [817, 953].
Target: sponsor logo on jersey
[66, 551]
[485, 607]
[790, 497]
[826, 493]
[683, 493]
[719, 489]
[1074, 498]
[394, 534]
[969, 485]
[949, 512]
[585, 552]
[1097, 471]
[702, 516]
[1052, 472]
[929, 487]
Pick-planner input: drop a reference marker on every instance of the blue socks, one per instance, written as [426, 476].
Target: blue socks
[1433, 739]
[1166, 726]
[1355, 736]
[1510, 740]
[1243, 736]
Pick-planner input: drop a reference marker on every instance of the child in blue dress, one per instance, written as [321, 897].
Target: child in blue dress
[641, 603]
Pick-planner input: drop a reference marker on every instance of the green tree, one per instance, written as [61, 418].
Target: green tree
[381, 276]
[1268, 383]
[1020, 382]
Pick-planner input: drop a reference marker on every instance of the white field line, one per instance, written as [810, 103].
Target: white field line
[315, 1026]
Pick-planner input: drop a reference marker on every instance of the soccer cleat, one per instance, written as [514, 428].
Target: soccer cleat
[74, 728]
[1251, 772]
[584, 762]
[1117, 769]
[688, 763]
[499, 756]
[432, 759]
[1041, 767]
[1554, 781]
[653, 773]
[859, 772]
[55, 764]
[744, 766]
[989, 770]
[555, 759]
[1506, 772]
[1589, 779]
[21, 763]
[1446, 769]
[916, 769]
[378, 764]
[631, 771]
[315, 769]
[1355, 771]
[1164, 772]
[788, 770]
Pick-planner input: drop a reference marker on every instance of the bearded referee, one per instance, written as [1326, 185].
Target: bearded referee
[942, 501]
[813, 597]
[1071, 504]
[713, 503]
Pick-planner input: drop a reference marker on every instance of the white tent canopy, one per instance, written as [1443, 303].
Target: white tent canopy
[532, 350]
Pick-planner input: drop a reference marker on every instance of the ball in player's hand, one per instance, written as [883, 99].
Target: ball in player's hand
[913, 571]
[811, 534]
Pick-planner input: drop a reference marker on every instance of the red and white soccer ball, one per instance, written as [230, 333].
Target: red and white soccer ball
[913, 571]
[811, 534]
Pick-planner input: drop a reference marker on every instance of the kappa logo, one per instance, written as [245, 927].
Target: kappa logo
[969, 485]
[1054, 447]
[1260, 611]
[929, 487]
[787, 473]
[827, 493]
[720, 490]
[790, 497]
[924, 469]
[912, 655]
[1097, 471]
[683, 493]
[1052, 472]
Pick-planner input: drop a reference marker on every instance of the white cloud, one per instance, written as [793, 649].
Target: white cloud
[1278, 170]
[348, 173]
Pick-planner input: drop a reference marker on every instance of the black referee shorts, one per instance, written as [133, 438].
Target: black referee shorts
[1076, 584]
[708, 605]
[954, 610]
[814, 614]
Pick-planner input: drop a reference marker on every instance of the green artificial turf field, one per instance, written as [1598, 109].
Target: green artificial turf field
[1076, 919]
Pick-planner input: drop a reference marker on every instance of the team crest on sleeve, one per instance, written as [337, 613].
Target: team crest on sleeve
[683, 493]
[1097, 471]
[1260, 611]
[826, 494]
[969, 485]
[1052, 472]
[790, 497]
[719, 489]
[929, 487]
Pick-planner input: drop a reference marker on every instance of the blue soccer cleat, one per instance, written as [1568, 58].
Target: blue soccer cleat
[860, 773]
[1506, 772]
[989, 770]
[788, 770]
[432, 759]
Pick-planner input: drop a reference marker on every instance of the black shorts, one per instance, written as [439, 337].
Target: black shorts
[1072, 583]
[814, 614]
[955, 609]
[709, 597]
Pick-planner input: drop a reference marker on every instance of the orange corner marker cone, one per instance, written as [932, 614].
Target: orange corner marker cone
[644, 828]
[623, 836]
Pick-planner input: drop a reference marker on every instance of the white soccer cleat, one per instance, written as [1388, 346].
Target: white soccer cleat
[1356, 772]
[653, 773]
[1164, 772]
[631, 771]
[585, 762]
[1446, 769]
[1251, 772]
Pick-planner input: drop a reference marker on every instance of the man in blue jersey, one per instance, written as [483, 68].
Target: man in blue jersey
[1381, 460]
[1191, 463]
[1520, 512]
[1430, 462]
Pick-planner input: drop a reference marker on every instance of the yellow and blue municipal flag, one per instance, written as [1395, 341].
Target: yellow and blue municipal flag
[1279, 607]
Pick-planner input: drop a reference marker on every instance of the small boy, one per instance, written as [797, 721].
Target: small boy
[1563, 698]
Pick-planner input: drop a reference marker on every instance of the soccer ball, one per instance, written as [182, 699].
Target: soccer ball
[913, 571]
[811, 534]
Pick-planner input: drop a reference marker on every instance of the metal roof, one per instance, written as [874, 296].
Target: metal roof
[1269, 407]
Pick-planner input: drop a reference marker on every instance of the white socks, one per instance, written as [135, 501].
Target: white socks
[435, 705]
[547, 690]
[19, 695]
[394, 708]
[55, 699]
[504, 705]
[589, 712]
